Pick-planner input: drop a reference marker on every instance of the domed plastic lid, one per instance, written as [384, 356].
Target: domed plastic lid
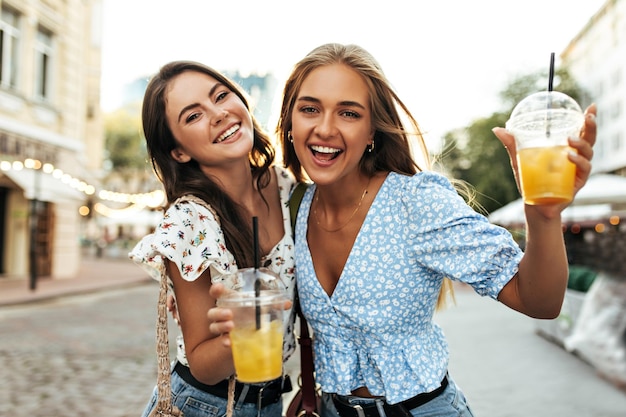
[249, 286]
[545, 100]
[251, 279]
[545, 106]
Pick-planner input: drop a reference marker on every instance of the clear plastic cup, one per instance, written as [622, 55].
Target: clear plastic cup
[257, 301]
[541, 124]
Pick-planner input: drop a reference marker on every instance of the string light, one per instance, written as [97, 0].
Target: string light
[139, 201]
[136, 202]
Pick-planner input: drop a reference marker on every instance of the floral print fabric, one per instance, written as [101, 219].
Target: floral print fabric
[377, 327]
[189, 235]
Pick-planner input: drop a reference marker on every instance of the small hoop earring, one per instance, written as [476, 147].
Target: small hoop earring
[371, 146]
[289, 137]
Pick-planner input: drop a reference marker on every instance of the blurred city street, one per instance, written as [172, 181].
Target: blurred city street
[78, 187]
[92, 353]
[507, 370]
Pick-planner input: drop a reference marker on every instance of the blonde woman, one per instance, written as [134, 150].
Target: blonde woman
[377, 237]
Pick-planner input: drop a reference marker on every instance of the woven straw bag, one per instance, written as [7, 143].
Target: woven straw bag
[164, 406]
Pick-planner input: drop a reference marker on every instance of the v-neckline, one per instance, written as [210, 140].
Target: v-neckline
[355, 244]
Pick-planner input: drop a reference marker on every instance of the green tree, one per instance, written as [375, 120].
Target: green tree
[473, 154]
[524, 85]
[124, 142]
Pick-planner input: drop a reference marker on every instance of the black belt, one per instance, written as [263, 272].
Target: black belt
[401, 409]
[266, 393]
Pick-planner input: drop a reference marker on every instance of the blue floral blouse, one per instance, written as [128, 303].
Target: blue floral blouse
[377, 328]
[190, 236]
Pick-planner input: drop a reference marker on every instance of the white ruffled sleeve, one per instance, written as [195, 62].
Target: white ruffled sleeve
[189, 235]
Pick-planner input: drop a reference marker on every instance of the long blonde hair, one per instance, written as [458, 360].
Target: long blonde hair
[396, 130]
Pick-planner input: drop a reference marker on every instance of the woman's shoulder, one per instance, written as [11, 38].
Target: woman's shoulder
[191, 202]
[284, 177]
[286, 182]
[190, 236]
[189, 210]
[423, 180]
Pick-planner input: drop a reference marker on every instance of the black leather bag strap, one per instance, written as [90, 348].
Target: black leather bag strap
[294, 203]
[309, 399]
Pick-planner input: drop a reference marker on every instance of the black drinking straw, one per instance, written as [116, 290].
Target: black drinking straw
[257, 281]
[550, 86]
[551, 76]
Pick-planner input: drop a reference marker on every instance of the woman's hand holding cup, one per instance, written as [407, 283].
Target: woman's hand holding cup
[220, 318]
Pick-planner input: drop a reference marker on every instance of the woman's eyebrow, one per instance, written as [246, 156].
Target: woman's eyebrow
[192, 105]
[341, 103]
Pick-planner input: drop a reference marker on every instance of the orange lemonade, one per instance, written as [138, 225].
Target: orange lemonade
[546, 175]
[258, 354]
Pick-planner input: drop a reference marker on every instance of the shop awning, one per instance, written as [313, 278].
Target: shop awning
[602, 188]
[595, 201]
[513, 213]
[43, 187]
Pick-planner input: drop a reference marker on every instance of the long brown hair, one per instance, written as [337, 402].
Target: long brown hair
[181, 179]
[396, 130]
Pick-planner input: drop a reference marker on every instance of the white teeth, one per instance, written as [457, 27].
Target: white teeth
[325, 149]
[228, 133]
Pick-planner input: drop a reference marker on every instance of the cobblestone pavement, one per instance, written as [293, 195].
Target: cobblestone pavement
[89, 355]
[84, 355]
[94, 355]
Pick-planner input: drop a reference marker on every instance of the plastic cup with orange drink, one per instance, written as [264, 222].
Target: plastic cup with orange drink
[541, 124]
[257, 302]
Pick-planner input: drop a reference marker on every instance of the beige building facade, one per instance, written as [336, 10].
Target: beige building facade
[51, 132]
[596, 57]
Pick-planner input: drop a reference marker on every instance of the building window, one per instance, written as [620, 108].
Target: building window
[617, 77]
[618, 143]
[616, 110]
[598, 150]
[44, 52]
[9, 48]
[599, 89]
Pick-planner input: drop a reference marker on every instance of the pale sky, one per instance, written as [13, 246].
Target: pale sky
[448, 59]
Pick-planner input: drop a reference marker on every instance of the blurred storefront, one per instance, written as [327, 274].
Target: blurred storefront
[592, 322]
[51, 132]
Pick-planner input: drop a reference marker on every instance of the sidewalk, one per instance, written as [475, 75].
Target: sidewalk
[94, 274]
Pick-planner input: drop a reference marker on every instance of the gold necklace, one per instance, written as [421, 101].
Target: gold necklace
[317, 220]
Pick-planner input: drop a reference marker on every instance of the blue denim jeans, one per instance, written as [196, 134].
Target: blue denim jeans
[450, 403]
[197, 403]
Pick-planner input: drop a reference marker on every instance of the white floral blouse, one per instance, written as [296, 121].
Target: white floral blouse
[189, 235]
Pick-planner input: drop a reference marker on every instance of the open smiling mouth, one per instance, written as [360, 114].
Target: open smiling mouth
[324, 153]
[227, 134]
